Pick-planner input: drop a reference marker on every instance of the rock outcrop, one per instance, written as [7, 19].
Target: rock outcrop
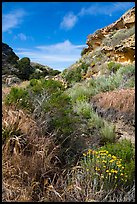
[115, 42]
[9, 60]
[117, 38]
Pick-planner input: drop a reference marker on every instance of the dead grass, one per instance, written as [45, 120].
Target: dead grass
[122, 100]
[29, 160]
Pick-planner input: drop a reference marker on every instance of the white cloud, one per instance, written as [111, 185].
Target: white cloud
[98, 9]
[69, 21]
[12, 20]
[21, 36]
[57, 56]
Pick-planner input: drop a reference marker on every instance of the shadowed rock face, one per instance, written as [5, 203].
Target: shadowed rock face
[9, 60]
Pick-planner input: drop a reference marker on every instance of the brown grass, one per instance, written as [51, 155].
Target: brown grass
[29, 159]
[122, 100]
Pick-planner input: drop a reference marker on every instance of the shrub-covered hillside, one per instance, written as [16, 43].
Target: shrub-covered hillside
[71, 137]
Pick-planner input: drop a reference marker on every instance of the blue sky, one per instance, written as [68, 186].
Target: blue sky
[54, 33]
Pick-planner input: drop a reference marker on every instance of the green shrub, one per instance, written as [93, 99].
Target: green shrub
[128, 70]
[80, 92]
[19, 97]
[37, 75]
[95, 121]
[63, 122]
[104, 170]
[84, 67]
[125, 151]
[59, 107]
[84, 50]
[24, 68]
[82, 108]
[130, 82]
[53, 72]
[107, 133]
[113, 66]
[73, 75]
[50, 86]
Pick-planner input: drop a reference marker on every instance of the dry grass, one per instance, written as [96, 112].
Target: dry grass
[29, 160]
[32, 171]
[122, 100]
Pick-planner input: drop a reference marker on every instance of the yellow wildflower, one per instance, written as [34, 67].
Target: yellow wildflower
[109, 174]
[111, 160]
[84, 154]
[97, 168]
[107, 170]
[114, 157]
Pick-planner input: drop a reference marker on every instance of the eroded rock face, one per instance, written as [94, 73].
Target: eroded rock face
[118, 38]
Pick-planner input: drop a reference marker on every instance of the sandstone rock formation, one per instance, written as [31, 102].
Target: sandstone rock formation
[115, 42]
[123, 30]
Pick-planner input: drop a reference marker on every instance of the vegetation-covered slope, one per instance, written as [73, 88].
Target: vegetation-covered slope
[73, 141]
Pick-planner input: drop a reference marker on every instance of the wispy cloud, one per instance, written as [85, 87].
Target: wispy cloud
[22, 37]
[99, 8]
[12, 20]
[69, 21]
[57, 56]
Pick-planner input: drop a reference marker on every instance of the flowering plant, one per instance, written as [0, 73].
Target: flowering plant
[105, 169]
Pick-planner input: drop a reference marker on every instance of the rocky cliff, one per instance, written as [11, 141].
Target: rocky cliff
[115, 42]
[118, 39]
